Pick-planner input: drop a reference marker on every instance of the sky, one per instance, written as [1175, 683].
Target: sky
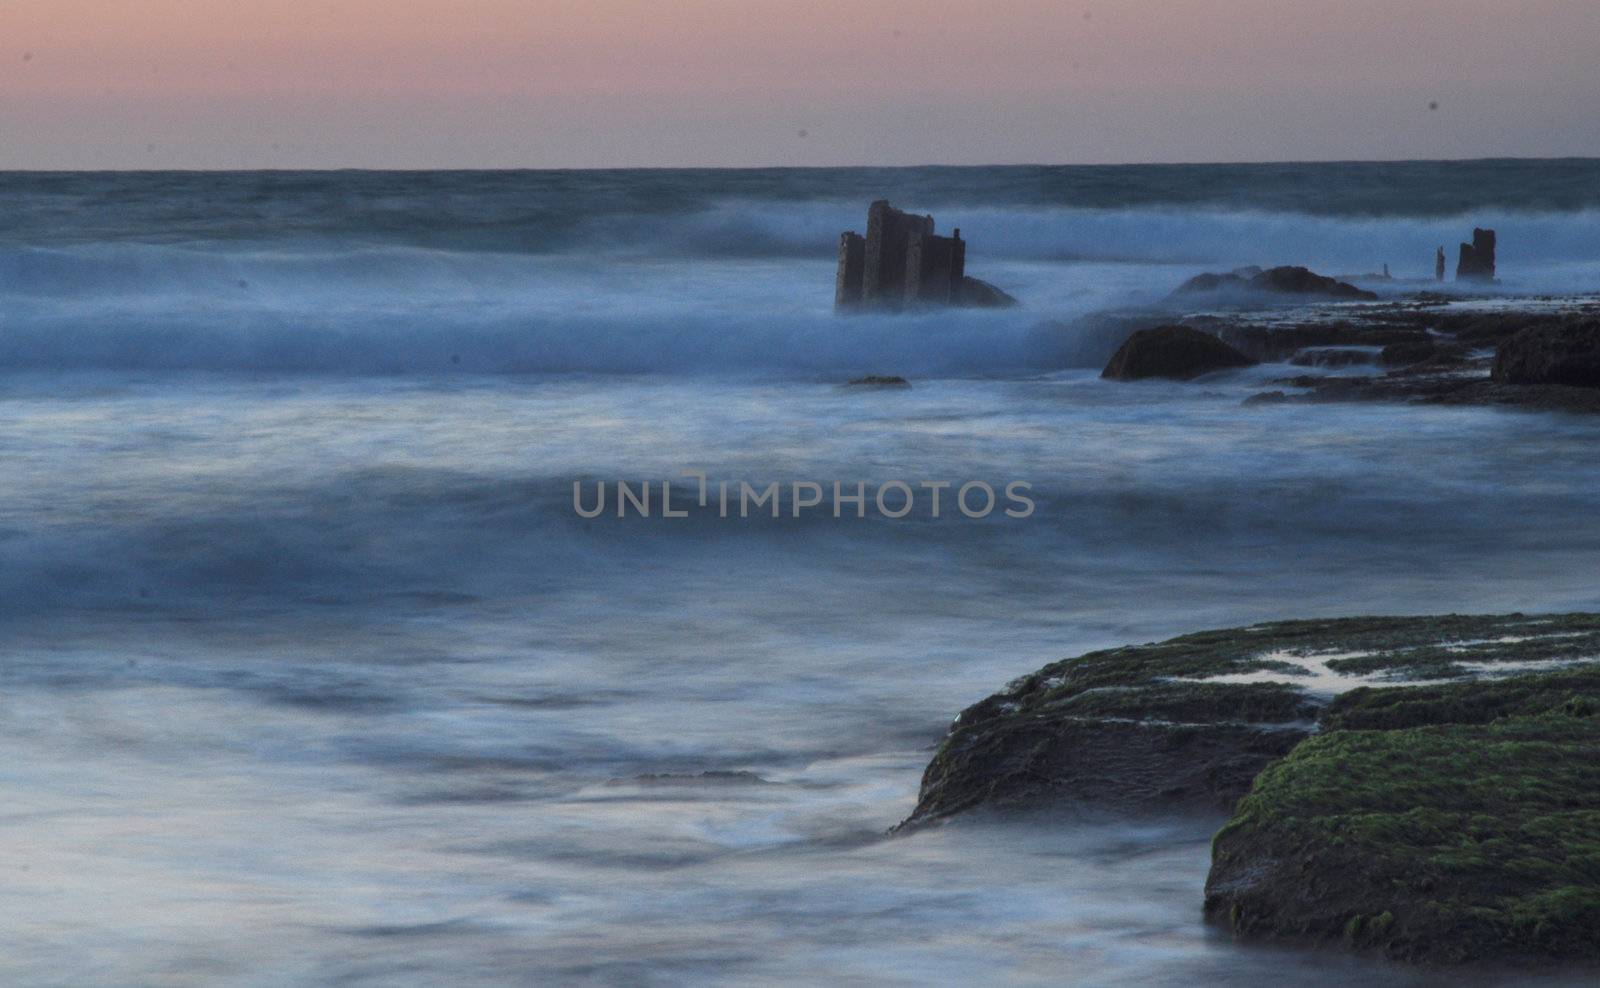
[631, 83]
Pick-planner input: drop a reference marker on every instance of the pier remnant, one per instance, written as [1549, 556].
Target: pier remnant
[1477, 258]
[890, 236]
[901, 262]
[852, 270]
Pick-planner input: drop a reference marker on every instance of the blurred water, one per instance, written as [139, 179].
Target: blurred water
[309, 673]
[321, 679]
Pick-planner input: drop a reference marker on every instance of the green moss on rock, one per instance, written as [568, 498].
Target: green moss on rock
[1187, 723]
[1428, 787]
[1443, 824]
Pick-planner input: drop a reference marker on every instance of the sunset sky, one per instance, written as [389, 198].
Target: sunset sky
[548, 83]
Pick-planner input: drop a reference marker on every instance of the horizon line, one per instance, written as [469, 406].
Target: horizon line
[756, 168]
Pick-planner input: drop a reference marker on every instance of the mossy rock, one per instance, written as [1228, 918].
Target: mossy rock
[1180, 725]
[1443, 824]
[1428, 788]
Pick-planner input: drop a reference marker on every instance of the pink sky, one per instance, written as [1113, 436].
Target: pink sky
[546, 83]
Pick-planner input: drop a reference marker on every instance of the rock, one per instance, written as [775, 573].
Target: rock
[1411, 352]
[1268, 398]
[1280, 281]
[1167, 726]
[1300, 281]
[1487, 328]
[1177, 352]
[1438, 824]
[976, 294]
[1477, 261]
[1446, 358]
[1275, 343]
[1130, 729]
[1211, 283]
[1566, 353]
[880, 381]
[1417, 790]
[1445, 383]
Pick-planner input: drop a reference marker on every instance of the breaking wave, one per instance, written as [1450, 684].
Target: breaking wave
[519, 273]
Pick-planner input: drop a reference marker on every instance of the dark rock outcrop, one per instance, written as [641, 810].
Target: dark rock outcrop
[1132, 730]
[1278, 281]
[1211, 283]
[1301, 281]
[1566, 353]
[1430, 355]
[902, 263]
[1184, 724]
[1176, 352]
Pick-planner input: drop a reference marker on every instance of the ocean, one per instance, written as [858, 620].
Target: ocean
[310, 673]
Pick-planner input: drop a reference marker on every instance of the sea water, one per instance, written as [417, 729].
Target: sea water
[311, 674]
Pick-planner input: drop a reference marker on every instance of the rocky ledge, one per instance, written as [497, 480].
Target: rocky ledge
[1540, 354]
[1532, 360]
[1424, 787]
[1287, 280]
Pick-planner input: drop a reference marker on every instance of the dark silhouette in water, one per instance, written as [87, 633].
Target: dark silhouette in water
[1477, 258]
[902, 262]
[1176, 352]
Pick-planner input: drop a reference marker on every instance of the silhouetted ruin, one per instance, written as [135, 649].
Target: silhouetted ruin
[901, 262]
[1477, 258]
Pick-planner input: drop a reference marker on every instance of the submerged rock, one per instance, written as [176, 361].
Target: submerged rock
[1335, 356]
[1177, 352]
[1566, 353]
[977, 294]
[1275, 343]
[880, 381]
